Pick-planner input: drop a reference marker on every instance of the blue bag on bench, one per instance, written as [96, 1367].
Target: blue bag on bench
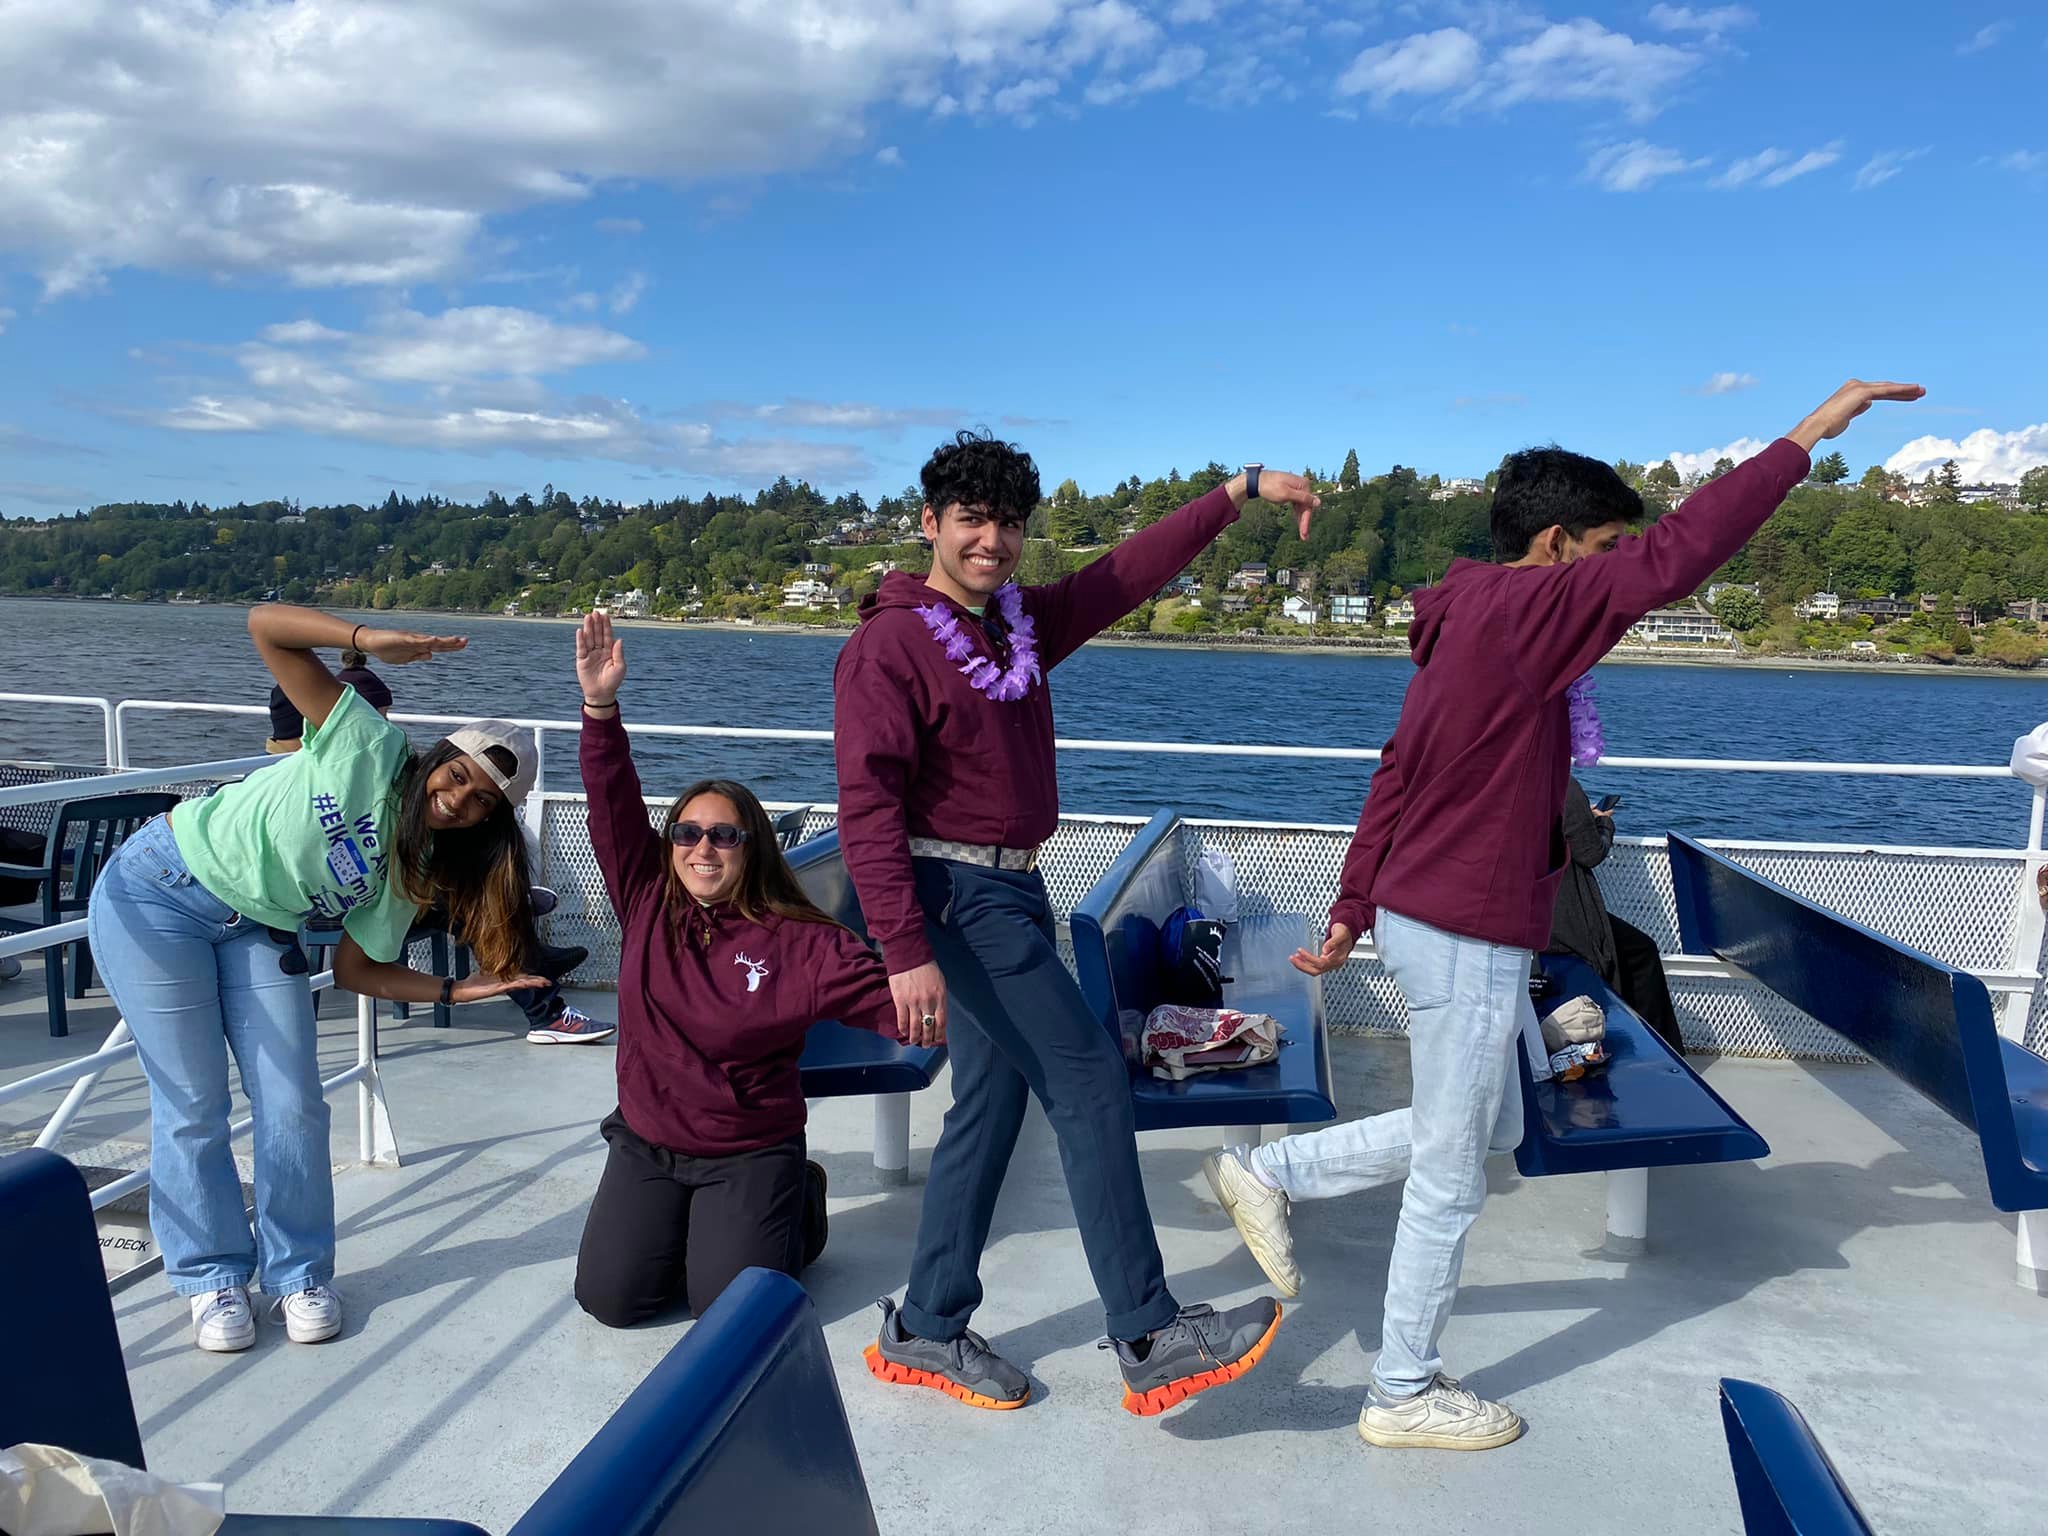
[1191, 959]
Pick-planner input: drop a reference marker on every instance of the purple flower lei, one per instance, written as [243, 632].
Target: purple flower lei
[1003, 684]
[1589, 744]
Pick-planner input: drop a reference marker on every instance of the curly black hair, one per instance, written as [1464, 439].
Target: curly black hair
[976, 469]
[1547, 487]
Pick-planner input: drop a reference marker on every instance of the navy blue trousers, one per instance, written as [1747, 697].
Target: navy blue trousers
[1017, 1025]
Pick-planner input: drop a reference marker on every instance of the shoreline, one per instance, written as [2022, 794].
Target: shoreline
[1316, 646]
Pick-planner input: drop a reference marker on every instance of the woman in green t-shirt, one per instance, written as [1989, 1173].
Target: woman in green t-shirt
[194, 922]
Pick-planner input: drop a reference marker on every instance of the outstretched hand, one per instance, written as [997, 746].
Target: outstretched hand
[600, 660]
[396, 647]
[474, 989]
[1285, 490]
[1844, 406]
[1336, 950]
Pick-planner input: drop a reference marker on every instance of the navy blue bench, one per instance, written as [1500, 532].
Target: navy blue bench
[1115, 932]
[1645, 1109]
[842, 1062]
[1785, 1482]
[1924, 1021]
[63, 1340]
[740, 1428]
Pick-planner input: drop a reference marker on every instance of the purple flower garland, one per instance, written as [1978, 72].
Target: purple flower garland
[1589, 743]
[1003, 684]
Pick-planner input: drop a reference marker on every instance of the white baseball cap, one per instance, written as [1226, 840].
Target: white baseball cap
[479, 736]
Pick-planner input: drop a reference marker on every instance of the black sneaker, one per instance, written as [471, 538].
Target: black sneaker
[557, 960]
[1201, 1348]
[816, 1223]
[964, 1368]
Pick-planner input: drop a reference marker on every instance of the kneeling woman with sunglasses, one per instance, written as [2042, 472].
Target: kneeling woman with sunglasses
[726, 964]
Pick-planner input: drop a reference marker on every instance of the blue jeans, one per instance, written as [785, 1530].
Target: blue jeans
[196, 982]
[1468, 1005]
[1018, 1026]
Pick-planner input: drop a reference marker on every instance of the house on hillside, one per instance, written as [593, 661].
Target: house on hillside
[1685, 624]
[1400, 613]
[1347, 609]
[1248, 578]
[807, 594]
[1818, 605]
[1298, 610]
[1459, 487]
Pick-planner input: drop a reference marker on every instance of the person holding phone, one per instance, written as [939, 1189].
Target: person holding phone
[1627, 959]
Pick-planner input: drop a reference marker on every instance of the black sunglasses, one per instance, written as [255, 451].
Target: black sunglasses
[687, 834]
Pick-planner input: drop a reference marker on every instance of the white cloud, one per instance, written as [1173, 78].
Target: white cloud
[1711, 20]
[1109, 30]
[1986, 454]
[1189, 12]
[1426, 64]
[5, 316]
[1774, 167]
[326, 143]
[1583, 61]
[454, 346]
[1984, 37]
[1727, 384]
[1176, 64]
[619, 226]
[1635, 165]
[1691, 466]
[1881, 168]
[889, 155]
[2025, 160]
[845, 416]
[626, 293]
[1021, 100]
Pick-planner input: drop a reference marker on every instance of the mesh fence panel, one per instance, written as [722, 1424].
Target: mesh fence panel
[1961, 906]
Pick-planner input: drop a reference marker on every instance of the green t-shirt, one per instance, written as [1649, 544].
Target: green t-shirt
[309, 837]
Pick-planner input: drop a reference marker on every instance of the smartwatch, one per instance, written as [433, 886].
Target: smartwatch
[1251, 481]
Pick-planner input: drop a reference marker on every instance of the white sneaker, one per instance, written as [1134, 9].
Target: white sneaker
[311, 1316]
[1260, 1212]
[1443, 1416]
[222, 1321]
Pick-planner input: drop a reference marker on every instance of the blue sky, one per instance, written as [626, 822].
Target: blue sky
[654, 247]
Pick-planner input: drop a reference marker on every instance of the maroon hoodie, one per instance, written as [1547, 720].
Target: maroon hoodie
[1462, 827]
[712, 1018]
[922, 753]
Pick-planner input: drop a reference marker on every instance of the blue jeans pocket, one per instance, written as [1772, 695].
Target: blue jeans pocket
[1423, 961]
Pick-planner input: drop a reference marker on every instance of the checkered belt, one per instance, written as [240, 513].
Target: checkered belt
[988, 855]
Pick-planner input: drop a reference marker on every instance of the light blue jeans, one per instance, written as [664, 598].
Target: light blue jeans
[1468, 1004]
[197, 982]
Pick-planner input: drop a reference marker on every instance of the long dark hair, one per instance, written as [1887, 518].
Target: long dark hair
[767, 883]
[478, 873]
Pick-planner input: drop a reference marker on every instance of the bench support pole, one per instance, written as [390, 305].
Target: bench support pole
[1628, 1212]
[2033, 1254]
[892, 1138]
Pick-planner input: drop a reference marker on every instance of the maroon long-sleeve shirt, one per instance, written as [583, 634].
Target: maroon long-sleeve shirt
[922, 753]
[712, 1018]
[1462, 826]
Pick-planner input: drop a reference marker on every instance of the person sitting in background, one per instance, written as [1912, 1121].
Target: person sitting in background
[355, 673]
[1626, 958]
[287, 725]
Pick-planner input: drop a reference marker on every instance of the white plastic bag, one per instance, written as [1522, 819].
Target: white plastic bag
[1181, 1041]
[1216, 886]
[2030, 756]
[48, 1491]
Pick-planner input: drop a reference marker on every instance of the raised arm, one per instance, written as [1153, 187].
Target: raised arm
[1076, 608]
[286, 638]
[629, 851]
[1579, 611]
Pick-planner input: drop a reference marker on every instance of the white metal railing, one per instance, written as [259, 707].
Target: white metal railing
[128, 780]
[104, 706]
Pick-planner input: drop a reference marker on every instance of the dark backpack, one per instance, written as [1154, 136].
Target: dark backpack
[1191, 959]
[25, 849]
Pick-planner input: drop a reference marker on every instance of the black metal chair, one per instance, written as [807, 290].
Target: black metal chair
[789, 827]
[83, 836]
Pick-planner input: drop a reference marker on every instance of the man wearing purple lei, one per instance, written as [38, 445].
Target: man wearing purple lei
[1455, 866]
[942, 717]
